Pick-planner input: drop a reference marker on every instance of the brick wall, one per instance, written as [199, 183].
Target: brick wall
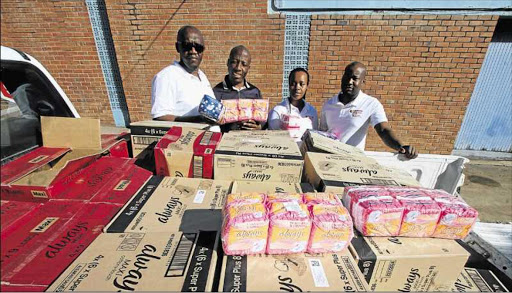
[422, 68]
[59, 35]
[144, 35]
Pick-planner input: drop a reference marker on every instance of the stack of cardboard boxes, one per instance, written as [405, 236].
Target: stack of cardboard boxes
[107, 224]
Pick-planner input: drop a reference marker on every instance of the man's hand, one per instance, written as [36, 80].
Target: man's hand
[250, 125]
[409, 151]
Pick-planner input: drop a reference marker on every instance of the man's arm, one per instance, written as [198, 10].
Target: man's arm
[389, 138]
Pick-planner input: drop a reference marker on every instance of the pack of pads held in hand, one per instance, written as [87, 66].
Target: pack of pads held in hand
[229, 111]
[285, 223]
[409, 212]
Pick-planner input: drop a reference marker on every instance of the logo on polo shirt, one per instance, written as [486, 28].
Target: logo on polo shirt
[356, 113]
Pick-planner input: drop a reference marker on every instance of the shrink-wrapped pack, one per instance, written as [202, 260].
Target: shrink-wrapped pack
[325, 198]
[245, 229]
[289, 228]
[456, 220]
[331, 229]
[377, 215]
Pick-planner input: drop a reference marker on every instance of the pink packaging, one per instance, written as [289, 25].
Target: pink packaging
[353, 193]
[421, 214]
[326, 198]
[260, 110]
[456, 220]
[437, 193]
[245, 198]
[331, 229]
[284, 196]
[396, 191]
[245, 229]
[378, 216]
[245, 108]
[231, 111]
[289, 228]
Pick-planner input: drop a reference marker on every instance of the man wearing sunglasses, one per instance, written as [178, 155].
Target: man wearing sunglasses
[178, 89]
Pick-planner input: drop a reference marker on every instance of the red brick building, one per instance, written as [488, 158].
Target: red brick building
[422, 67]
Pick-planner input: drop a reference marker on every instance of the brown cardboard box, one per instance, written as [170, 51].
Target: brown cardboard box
[167, 204]
[332, 172]
[144, 133]
[69, 145]
[267, 187]
[292, 273]
[478, 280]
[186, 152]
[314, 142]
[169, 261]
[409, 264]
[258, 156]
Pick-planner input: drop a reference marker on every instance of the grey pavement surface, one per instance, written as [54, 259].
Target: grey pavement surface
[488, 188]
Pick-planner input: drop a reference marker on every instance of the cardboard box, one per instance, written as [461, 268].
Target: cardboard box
[315, 142]
[258, 156]
[21, 288]
[169, 261]
[12, 211]
[116, 144]
[266, 187]
[69, 145]
[186, 152]
[167, 204]
[408, 264]
[145, 133]
[42, 244]
[110, 180]
[332, 172]
[292, 273]
[478, 280]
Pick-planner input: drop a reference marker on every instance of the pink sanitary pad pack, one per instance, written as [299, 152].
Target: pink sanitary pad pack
[331, 229]
[289, 228]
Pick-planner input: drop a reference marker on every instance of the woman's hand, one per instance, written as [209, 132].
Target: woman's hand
[250, 125]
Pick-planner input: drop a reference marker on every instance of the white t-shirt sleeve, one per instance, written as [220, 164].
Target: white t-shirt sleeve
[274, 119]
[162, 96]
[378, 114]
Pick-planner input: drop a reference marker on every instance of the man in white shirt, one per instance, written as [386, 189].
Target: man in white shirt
[349, 114]
[178, 89]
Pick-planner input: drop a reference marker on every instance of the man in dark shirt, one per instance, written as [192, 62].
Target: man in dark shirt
[235, 86]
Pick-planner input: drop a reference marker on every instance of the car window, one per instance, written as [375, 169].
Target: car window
[26, 96]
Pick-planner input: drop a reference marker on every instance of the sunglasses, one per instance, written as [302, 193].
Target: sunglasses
[188, 47]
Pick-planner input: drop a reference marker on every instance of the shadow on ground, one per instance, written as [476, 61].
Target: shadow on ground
[488, 188]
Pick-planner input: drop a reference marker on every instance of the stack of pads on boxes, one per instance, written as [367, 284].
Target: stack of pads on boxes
[284, 223]
[408, 212]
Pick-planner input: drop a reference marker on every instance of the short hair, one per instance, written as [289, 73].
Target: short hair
[298, 69]
[184, 29]
[354, 64]
[239, 48]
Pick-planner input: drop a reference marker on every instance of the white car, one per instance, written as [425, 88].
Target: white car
[28, 92]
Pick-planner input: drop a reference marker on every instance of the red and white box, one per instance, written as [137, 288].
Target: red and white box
[12, 211]
[40, 247]
[115, 144]
[186, 152]
[110, 180]
[69, 145]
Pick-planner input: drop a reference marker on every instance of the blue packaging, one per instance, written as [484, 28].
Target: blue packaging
[211, 108]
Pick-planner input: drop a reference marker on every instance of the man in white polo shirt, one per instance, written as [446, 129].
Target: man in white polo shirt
[178, 89]
[349, 114]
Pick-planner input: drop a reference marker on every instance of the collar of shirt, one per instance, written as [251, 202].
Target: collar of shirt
[353, 104]
[199, 72]
[226, 84]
